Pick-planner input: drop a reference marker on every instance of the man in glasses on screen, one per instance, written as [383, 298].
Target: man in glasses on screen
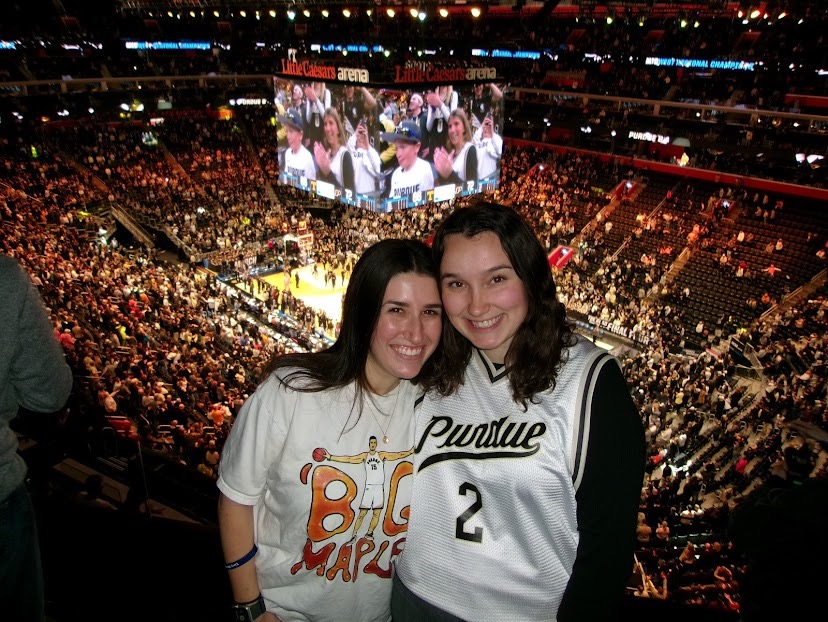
[298, 161]
[414, 175]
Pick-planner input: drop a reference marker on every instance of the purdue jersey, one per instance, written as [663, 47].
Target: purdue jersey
[493, 533]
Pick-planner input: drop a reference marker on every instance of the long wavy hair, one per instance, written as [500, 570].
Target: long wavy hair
[538, 349]
[460, 114]
[342, 135]
[344, 362]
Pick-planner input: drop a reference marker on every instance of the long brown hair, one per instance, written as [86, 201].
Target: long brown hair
[538, 349]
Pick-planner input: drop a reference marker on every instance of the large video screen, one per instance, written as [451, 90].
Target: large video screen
[386, 149]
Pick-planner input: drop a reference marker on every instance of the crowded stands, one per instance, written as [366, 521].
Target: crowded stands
[712, 293]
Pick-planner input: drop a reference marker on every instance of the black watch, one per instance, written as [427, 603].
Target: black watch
[247, 612]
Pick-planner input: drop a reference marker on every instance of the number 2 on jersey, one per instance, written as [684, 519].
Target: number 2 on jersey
[474, 508]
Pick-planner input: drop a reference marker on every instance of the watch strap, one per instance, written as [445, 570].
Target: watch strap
[247, 612]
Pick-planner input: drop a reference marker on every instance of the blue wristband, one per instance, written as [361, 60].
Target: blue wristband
[243, 560]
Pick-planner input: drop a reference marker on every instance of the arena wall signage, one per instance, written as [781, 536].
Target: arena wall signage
[306, 69]
[650, 137]
[410, 75]
[167, 45]
[698, 63]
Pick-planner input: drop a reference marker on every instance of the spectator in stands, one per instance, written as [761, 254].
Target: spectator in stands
[456, 163]
[413, 175]
[507, 344]
[34, 376]
[489, 149]
[332, 157]
[366, 161]
[341, 401]
[298, 160]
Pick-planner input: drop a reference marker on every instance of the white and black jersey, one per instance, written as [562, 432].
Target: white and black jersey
[496, 521]
[419, 178]
[300, 164]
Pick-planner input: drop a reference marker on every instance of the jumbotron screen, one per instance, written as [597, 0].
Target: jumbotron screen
[385, 149]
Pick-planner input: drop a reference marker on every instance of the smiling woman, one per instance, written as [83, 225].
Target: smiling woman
[529, 451]
[301, 452]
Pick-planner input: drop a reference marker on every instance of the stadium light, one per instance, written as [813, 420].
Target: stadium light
[291, 14]
[609, 20]
[444, 12]
[475, 12]
[755, 13]
[390, 12]
[306, 13]
[413, 12]
[272, 12]
[325, 13]
[346, 13]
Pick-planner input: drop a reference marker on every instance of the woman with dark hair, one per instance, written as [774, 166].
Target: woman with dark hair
[332, 157]
[457, 163]
[529, 452]
[320, 447]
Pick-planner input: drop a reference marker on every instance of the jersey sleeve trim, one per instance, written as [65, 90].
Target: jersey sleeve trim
[583, 410]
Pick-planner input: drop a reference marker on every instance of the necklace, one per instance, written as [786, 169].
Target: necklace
[385, 438]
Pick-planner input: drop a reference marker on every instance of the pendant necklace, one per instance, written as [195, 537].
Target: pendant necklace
[385, 438]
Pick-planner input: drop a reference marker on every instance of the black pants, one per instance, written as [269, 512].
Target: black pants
[406, 606]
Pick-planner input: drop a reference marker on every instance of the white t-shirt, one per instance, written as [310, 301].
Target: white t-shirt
[418, 178]
[459, 165]
[300, 164]
[489, 152]
[336, 164]
[367, 167]
[305, 506]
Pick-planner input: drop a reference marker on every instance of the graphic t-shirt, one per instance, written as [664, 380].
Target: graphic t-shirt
[300, 164]
[311, 565]
[418, 178]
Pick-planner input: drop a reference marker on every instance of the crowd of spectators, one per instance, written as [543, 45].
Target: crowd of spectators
[170, 351]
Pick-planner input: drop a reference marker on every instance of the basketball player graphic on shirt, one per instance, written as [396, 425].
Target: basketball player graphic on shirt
[374, 496]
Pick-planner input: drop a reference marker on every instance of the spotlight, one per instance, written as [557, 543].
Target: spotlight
[306, 13]
[90, 110]
[755, 13]
[272, 13]
[215, 13]
[291, 14]
[683, 23]
[387, 53]
[192, 13]
[243, 13]
[421, 16]
[346, 13]
[390, 12]
[325, 13]
[696, 24]
[475, 12]
[413, 12]
[609, 20]
[782, 15]
[740, 14]
[443, 12]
